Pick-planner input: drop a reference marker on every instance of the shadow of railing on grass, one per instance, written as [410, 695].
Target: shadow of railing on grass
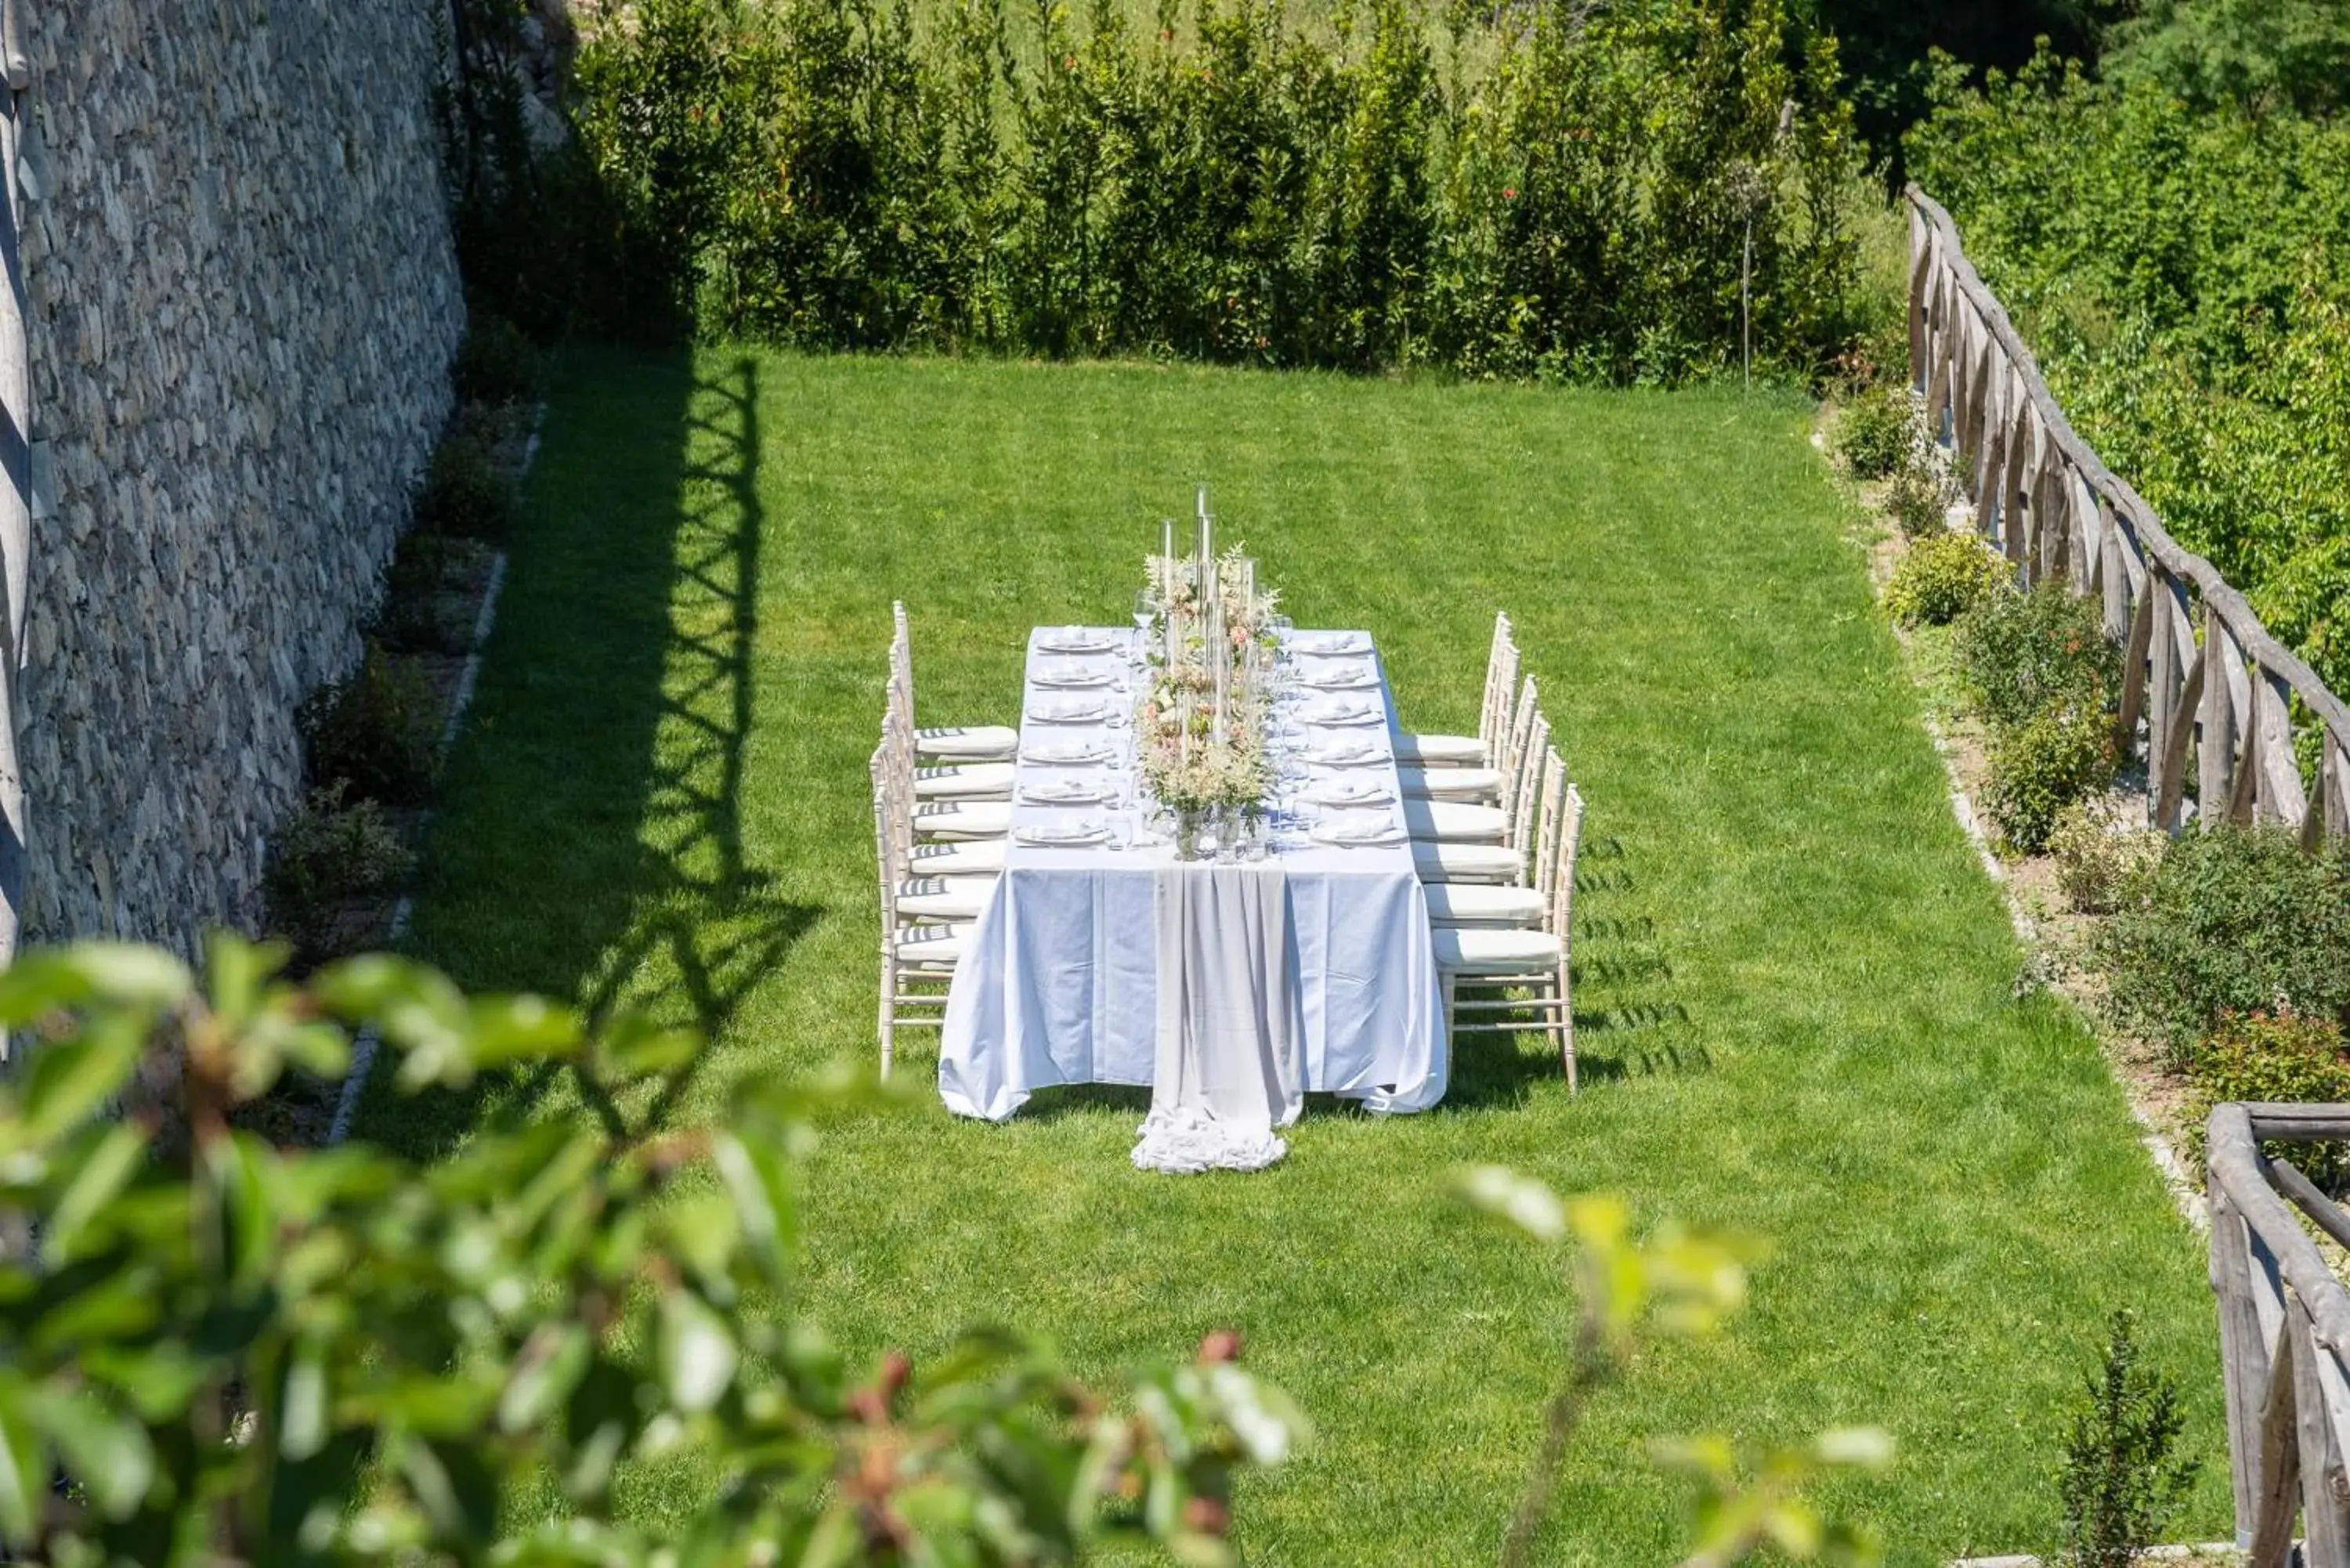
[620, 697]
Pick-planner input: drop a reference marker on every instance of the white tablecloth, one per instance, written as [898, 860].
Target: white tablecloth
[1059, 982]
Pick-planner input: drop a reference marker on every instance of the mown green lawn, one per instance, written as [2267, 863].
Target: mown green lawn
[1795, 985]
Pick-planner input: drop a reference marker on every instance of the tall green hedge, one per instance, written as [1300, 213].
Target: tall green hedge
[1560, 191]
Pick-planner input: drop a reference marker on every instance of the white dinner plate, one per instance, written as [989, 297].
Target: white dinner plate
[1346, 710]
[1067, 753]
[1069, 711]
[1338, 677]
[1346, 792]
[1061, 834]
[1076, 640]
[1358, 835]
[1070, 676]
[1346, 751]
[1329, 644]
[1062, 792]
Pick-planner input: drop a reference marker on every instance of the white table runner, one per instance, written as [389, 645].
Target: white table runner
[1060, 981]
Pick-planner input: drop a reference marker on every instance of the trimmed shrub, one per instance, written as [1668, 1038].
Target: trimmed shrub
[2277, 1056]
[1919, 501]
[2101, 859]
[2021, 654]
[2232, 920]
[326, 853]
[495, 364]
[378, 729]
[1874, 432]
[2042, 765]
[466, 494]
[1942, 578]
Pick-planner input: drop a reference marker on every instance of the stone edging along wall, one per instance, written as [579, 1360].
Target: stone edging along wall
[242, 300]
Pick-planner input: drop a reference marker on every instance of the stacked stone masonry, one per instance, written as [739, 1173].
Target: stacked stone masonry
[242, 299]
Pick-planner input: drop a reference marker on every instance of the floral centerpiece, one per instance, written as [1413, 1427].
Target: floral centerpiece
[1202, 718]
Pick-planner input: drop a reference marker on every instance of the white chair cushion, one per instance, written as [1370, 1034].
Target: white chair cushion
[968, 743]
[1450, 783]
[1464, 863]
[931, 947]
[1440, 751]
[943, 897]
[1493, 950]
[982, 858]
[964, 819]
[1469, 904]
[1454, 822]
[973, 780]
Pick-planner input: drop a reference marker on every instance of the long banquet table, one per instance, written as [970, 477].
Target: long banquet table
[1061, 978]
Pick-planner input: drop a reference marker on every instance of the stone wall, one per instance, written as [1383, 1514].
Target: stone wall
[242, 302]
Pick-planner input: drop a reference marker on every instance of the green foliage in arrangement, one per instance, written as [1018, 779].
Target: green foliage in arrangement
[2232, 920]
[2181, 274]
[1943, 577]
[329, 851]
[2122, 1484]
[239, 1353]
[2275, 1056]
[376, 730]
[1557, 192]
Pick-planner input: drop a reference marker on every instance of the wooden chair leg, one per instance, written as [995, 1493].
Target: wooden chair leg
[1452, 989]
[888, 1014]
[1566, 1028]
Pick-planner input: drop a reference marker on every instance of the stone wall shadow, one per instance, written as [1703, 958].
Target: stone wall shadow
[590, 845]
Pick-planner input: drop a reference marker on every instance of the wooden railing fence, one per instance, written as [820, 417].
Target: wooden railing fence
[2284, 1332]
[2221, 712]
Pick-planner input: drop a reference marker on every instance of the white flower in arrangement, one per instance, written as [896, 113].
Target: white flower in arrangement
[1201, 722]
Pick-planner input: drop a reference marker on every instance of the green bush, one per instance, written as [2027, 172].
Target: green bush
[1919, 499]
[2021, 654]
[495, 364]
[419, 611]
[2102, 861]
[465, 494]
[328, 852]
[2122, 1483]
[1942, 578]
[2273, 1057]
[231, 1352]
[1873, 432]
[378, 729]
[2231, 920]
[2058, 756]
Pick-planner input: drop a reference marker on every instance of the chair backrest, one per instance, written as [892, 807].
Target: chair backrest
[1500, 678]
[1519, 772]
[1530, 795]
[885, 842]
[1560, 919]
[901, 661]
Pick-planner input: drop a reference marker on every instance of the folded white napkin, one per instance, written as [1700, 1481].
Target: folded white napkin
[1061, 792]
[1075, 640]
[1339, 676]
[1083, 831]
[1326, 643]
[1346, 792]
[1345, 711]
[1067, 753]
[1346, 751]
[1359, 831]
[1070, 674]
[1069, 711]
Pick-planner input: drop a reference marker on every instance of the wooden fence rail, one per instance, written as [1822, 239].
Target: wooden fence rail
[2284, 1332]
[2224, 715]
